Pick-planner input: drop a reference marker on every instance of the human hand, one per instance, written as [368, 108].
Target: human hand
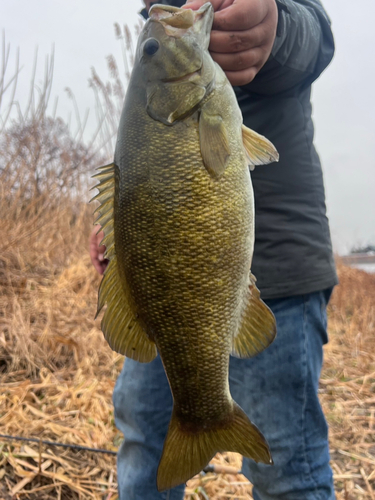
[242, 35]
[97, 251]
[148, 4]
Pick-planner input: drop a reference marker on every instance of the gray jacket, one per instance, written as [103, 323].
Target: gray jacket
[293, 252]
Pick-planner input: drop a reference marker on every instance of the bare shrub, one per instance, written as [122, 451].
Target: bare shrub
[110, 95]
[40, 156]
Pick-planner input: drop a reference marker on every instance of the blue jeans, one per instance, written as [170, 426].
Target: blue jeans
[277, 389]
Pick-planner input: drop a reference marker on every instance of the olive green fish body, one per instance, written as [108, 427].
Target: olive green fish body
[178, 217]
[185, 248]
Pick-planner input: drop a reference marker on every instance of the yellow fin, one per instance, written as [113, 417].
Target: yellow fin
[258, 328]
[187, 451]
[214, 143]
[120, 326]
[259, 150]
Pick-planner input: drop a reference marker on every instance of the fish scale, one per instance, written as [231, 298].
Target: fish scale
[179, 229]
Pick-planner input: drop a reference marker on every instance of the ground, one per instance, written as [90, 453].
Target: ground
[57, 375]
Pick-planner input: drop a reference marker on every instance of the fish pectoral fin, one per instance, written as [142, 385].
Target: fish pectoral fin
[258, 328]
[258, 149]
[214, 144]
[173, 101]
[187, 452]
[120, 326]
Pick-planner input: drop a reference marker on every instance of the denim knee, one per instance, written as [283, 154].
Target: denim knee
[278, 390]
[143, 406]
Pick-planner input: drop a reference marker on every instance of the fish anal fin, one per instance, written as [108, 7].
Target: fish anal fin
[258, 327]
[186, 452]
[214, 144]
[120, 325]
[259, 150]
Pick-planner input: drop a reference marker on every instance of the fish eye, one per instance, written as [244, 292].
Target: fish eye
[151, 46]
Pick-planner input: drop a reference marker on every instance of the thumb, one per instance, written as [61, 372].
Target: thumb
[197, 4]
[193, 4]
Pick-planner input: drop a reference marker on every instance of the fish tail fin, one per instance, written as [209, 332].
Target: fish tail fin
[186, 451]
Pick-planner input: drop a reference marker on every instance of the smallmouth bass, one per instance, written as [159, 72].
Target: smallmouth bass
[177, 211]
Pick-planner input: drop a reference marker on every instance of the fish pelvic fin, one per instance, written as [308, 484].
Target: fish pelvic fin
[186, 452]
[120, 324]
[258, 328]
[258, 149]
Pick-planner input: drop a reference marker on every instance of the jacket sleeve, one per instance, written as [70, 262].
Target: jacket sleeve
[303, 48]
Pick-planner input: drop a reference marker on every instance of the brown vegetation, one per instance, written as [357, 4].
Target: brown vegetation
[56, 371]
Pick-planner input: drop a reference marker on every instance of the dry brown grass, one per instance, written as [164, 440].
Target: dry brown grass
[57, 373]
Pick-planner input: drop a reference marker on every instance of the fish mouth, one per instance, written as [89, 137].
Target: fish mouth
[174, 17]
[177, 21]
[185, 78]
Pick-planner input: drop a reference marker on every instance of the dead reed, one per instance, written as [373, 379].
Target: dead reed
[56, 371]
[57, 374]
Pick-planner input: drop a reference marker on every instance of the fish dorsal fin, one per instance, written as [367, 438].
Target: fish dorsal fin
[214, 143]
[258, 328]
[259, 150]
[120, 325]
[169, 102]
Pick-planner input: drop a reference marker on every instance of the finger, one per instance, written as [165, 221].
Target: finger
[97, 251]
[241, 15]
[99, 262]
[147, 4]
[233, 14]
[97, 265]
[238, 78]
[197, 4]
[239, 61]
[93, 249]
[99, 237]
[237, 41]
[101, 250]
[103, 266]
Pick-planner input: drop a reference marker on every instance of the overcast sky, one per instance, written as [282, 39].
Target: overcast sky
[343, 98]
